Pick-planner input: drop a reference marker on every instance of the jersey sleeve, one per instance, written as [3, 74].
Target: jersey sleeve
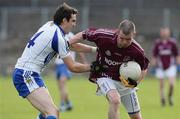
[60, 45]
[155, 49]
[91, 35]
[140, 56]
[142, 60]
[175, 49]
[98, 36]
[69, 35]
[63, 48]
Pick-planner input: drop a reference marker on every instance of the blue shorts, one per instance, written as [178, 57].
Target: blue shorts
[62, 70]
[178, 68]
[26, 81]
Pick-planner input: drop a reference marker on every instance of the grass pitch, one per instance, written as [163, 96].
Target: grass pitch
[86, 104]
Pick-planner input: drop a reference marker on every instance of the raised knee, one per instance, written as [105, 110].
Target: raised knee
[115, 101]
[114, 98]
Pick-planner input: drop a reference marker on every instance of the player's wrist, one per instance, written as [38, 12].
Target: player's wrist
[93, 49]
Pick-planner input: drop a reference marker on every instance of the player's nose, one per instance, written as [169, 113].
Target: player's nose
[74, 24]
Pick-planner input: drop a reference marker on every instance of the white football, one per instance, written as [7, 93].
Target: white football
[130, 69]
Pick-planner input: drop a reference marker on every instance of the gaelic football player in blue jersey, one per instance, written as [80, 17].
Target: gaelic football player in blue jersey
[43, 46]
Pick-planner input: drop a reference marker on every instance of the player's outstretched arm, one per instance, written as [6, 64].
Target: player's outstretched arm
[76, 66]
[83, 58]
[79, 67]
[178, 59]
[153, 61]
[79, 47]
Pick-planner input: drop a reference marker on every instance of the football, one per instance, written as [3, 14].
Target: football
[130, 69]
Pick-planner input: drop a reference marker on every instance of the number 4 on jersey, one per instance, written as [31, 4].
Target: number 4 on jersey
[31, 42]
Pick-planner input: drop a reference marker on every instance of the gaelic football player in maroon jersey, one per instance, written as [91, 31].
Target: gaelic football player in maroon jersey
[114, 48]
[165, 58]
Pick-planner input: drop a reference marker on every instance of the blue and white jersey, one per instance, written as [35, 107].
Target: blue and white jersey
[58, 59]
[42, 47]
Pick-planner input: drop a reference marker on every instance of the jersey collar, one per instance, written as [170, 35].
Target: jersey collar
[63, 32]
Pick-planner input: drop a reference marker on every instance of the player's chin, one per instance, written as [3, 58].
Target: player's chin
[126, 45]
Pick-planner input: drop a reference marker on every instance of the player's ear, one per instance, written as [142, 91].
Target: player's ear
[134, 34]
[64, 20]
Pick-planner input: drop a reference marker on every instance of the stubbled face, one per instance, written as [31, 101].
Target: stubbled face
[123, 40]
[69, 25]
[165, 33]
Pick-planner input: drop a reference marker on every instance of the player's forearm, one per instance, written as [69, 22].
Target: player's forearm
[153, 61]
[78, 67]
[79, 47]
[75, 66]
[83, 58]
[178, 60]
[143, 74]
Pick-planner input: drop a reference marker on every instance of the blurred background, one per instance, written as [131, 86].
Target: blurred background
[19, 19]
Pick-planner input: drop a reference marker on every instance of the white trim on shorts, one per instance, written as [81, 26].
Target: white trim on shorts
[128, 95]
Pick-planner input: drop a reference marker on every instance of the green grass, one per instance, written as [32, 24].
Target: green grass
[86, 104]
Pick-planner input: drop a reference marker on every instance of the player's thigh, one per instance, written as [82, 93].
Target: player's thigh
[131, 103]
[41, 100]
[113, 97]
[160, 74]
[62, 71]
[105, 85]
[171, 72]
[62, 80]
[108, 89]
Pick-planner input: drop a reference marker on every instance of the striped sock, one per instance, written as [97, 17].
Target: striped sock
[51, 117]
[40, 116]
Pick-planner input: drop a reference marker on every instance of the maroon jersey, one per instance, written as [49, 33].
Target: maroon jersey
[111, 55]
[165, 52]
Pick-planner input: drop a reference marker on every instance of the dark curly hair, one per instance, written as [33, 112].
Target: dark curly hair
[63, 11]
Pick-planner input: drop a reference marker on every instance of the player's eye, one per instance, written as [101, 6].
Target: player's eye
[128, 39]
[73, 20]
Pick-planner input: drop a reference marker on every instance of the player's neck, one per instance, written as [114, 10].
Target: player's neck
[164, 40]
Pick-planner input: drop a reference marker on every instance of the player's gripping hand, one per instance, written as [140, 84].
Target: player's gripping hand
[97, 67]
[130, 83]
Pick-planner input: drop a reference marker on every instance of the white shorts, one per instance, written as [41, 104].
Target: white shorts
[128, 95]
[168, 73]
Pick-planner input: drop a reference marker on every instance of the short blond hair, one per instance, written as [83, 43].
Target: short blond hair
[127, 27]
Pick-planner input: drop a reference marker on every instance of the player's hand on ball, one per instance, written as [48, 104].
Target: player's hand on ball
[130, 83]
[130, 73]
[97, 67]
